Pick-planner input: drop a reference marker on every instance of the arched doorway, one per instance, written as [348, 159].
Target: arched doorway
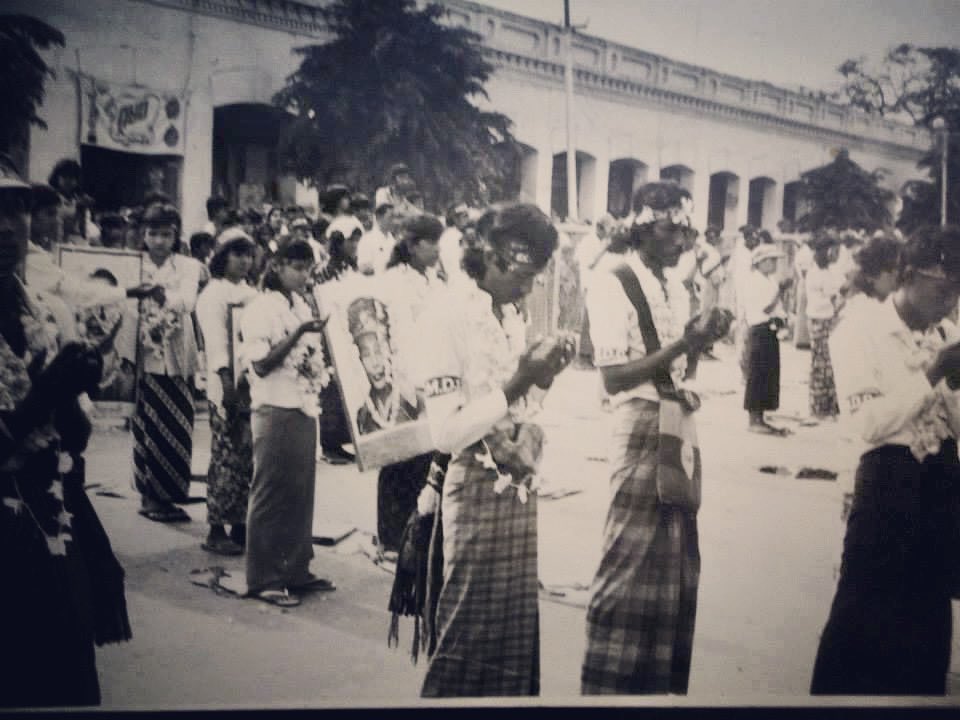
[520, 183]
[680, 174]
[586, 179]
[792, 206]
[723, 199]
[760, 202]
[246, 168]
[626, 175]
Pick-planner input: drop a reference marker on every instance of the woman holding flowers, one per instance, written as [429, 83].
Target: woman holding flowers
[163, 422]
[284, 357]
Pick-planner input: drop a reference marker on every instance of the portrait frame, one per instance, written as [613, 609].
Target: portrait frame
[126, 268]
[407, 432]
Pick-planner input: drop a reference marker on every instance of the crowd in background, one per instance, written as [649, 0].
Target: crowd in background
[658, 298]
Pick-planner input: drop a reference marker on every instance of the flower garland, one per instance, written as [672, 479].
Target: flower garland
[306, 360]
[931, 425]
[15, 383]
[158, 324]
[529, 483]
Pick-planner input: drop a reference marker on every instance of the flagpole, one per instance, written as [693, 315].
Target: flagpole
[572, 210]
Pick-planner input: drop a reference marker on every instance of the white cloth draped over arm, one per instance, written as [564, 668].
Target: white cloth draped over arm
[461, 408]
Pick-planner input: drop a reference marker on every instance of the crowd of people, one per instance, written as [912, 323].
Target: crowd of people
[658, 297]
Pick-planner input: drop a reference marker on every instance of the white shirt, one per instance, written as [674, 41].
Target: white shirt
[466, 357]
[213, 314]
[180, 277]
[264, 323]
[589, 259]
[450, 251]
[407, 294]
[741, 266]
[822, 285]
[373, 250]
[879, 369]
[758, 292]
[615, 330]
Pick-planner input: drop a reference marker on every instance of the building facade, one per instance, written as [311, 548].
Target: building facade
[176, 95]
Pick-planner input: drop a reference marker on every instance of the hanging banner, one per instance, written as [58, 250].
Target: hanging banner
[130, 119]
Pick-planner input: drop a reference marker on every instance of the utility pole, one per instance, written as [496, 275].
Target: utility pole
[939, 126]
[572, 210]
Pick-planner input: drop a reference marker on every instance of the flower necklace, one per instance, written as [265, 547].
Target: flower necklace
[15, 384]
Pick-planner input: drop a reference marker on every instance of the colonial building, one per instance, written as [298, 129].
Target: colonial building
[176, 94]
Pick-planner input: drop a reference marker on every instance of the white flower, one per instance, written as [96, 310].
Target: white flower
[522, 494]
[501, 484]
[14, 504]
[63, 519]
[56, 489]
[57, 544]
[64, 463]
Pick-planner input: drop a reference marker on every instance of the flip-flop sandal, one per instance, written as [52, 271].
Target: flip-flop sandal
[768, 430]
[161, 515]
[316, 584]
[222, 546]
[280, 598]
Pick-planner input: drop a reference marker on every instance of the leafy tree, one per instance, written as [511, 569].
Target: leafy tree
[23, 75]
[916, 84]
[841, 195]
[394, 84]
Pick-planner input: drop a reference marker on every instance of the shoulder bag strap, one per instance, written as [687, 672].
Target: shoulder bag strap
[631, 286]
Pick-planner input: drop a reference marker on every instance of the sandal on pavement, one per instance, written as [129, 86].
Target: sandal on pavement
[280, 598]
[222, 546]
[767, 430]
[165, 515]
[315, 584]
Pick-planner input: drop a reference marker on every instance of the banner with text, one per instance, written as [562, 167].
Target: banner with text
[130, 118]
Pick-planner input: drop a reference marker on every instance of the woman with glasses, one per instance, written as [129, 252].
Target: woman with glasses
[643, 602]
[897, 370]
[477, 377]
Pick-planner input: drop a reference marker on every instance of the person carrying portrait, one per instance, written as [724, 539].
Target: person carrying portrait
[409, 284]
[231, 445]
[343, 235]
[478, 370]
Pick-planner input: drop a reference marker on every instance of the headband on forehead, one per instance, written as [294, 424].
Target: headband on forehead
[676, 214]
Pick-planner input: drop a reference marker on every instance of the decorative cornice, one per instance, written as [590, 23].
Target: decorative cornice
[302, 18]
[535, 46]
[552, 74]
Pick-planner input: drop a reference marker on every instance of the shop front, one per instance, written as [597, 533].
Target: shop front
[131, 142]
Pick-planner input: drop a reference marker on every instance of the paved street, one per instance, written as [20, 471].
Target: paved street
[770, 546]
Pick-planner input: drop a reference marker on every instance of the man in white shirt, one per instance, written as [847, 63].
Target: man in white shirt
[375, 246]
[761, 301]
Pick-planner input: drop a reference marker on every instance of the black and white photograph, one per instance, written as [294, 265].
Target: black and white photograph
[510, 354]
[387, 417]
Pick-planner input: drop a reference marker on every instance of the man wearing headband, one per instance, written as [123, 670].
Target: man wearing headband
[640, 618]
[477, 375]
